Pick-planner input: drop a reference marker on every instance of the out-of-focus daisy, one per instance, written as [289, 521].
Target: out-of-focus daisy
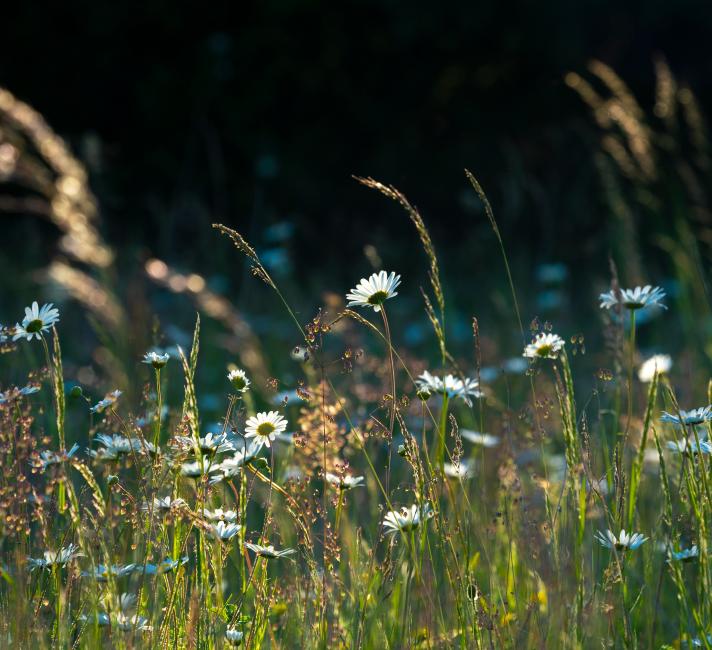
[234, 636]
[449, 385]
[224, 531]
[375, 291]
[269, 551]
[406, 520]
[36, 322]
[688, 418]
[265, 426]
[463, 470]
[633, 299]
[109, 400]
[115, 446]
[544, 346]
[59, 558]
[210, 444]
[689, 446]
[15, 393]
[684, 555]
[49, 457]
[239, 381]
[484, 439]
[220, 515]
[164, 504]
[622, 542]
[130, 622]
[660, 363]
[156, 359]
[345, 482]
[102, 572]
[166, 566]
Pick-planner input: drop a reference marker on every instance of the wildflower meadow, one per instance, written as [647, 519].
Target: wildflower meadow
[364, 471]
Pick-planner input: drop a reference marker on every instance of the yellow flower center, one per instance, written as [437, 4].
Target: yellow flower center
[265, 429]
[34, 325]
[377, 298]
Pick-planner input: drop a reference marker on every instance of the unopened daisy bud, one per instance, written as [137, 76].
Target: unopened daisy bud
[156, 360]
[112, 479]
[424, 394]
[76, 392]
[238, 379]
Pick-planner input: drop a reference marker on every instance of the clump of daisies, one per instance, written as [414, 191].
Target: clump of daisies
[265, 426]
[36, 322]
[623, 542]
[544, 346]
[633, 299]
[374, 291]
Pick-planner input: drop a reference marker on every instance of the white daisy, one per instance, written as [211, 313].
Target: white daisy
[59, 558]
[210, 444]
[155, 359]
[633, 299]
[232, 466]
[129, 623]
[622, 542]
[406, 520]
[265, 426]
[115, 446]
[484, 439]
[660, 363]
[224, 531]
[166, 566]
[196, 470]
[238, 379]
[234, 636]
[544, 346]
[684, 555]
[36, 321]
[15, 393]
[269, 551]
[374, 291]
[345, 482]
[109, 400]
[219, 514]
[450, 385]
[689, 446]
[688, 418]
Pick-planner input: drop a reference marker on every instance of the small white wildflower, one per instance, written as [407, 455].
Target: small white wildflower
[15, 393]
[102, 572]
[60, 558]
[684, 555]
[406, 520]
[544, 346]
[156, 359]
[220, 515]
[115, 446]
[269, 552]
[197, 470]
[109, 400]
[164, 504]
[633, 299]
[232, 465]
[463, 470]
[689, 446]
[49, 457]
[36, 322]
[484, 439]
[234, 636]
[660, 363]
[224, 531]
[210, 444]
[375, 291]
[623, 541]
[166, 566]
[238, 379]
[688, 418]
[449, 385]
[265, 426]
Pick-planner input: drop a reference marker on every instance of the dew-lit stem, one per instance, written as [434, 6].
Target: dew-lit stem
[393, 394]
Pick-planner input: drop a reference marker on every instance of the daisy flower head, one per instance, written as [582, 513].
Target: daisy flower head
[688, 418]
[59, 558]
[224, 531]
[230, 516]
[269, 552]
[406, 520]
[345, 482]
[234, 636]
[659, 363]
[199, 470]
[239, 381]
[622, 542]
[15, 393]
[689, 446]
[633, 299]
[210, 444]
[232, 466]
[109, 400]
[36, 322]
[115, 446]
[476, 437]
[265, 426]
[102, 573]
[156, 359]
[463, 470]
[130, 622]
[49, 457]
[164, 504]
[684, 555]
[165, 566]
[544, 346]
[375, 291]
[427, 385]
